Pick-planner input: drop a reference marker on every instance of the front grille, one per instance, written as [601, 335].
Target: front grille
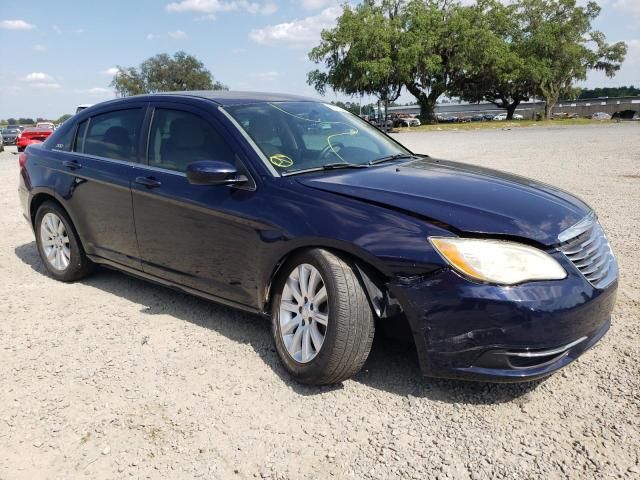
[591, 253]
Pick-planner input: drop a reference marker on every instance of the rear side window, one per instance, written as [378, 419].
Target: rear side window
[79, 140]
[61, 139]
[114, 135]
[179, 138]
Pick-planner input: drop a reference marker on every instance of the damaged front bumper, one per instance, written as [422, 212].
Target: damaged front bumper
[475, 331]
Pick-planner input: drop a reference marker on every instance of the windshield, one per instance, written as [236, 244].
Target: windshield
[297, 136]
[8, 131]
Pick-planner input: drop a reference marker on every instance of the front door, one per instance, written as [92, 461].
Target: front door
[202, 237]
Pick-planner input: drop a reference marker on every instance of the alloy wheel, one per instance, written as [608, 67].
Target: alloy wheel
[55, 241]
[304, 313]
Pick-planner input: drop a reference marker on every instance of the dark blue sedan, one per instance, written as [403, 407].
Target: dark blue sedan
[300, 211]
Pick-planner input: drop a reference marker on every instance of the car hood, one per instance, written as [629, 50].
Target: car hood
[463, 197]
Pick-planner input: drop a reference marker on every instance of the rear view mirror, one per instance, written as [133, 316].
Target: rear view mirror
[213, 172]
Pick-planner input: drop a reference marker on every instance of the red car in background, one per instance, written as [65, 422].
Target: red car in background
[32, 135]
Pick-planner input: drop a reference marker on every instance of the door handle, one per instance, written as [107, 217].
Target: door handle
[149, 182]
[72, 165]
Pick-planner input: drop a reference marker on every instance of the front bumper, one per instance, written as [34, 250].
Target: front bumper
[485, 332]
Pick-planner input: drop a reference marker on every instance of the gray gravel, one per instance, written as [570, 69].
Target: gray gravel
[114, 377]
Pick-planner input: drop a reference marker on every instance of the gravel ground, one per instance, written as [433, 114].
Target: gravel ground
[114, 377]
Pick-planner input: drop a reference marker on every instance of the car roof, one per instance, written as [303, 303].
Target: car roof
[225, 97]
[219, 97]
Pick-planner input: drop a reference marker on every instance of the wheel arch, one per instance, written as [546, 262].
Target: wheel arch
[38, 199]
[372, 279]
[44, 195]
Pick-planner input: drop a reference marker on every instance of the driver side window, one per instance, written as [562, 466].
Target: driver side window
[178, 138]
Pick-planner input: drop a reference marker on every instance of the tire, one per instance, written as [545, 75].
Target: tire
[77, 264]
[20, 149]
[349, 328]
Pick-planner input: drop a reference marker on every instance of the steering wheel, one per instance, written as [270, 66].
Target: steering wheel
[330, 149]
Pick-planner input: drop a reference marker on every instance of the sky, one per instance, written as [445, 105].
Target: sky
[60, 54]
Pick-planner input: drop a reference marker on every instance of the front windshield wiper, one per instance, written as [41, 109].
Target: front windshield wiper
[334, 166]
[390, 158]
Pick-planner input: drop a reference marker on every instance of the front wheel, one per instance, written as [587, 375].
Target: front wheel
[322, 323]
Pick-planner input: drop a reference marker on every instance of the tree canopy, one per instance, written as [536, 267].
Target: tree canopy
[587, 93]
[163, 73]
[503, 53]
[361, 53]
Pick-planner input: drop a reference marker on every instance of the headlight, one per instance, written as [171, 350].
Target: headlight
[497, 261]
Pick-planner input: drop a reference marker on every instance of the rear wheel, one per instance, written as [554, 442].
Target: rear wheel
[59, 245]
[322, 323]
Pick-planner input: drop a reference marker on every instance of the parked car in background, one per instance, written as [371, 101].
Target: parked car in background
[626, 115]
[446, 119]
[81, 107]
[15, 127]
[50, 125]
[601, 116]
[32, 135]
[1, 143]
[406, 121]
[326, 233]
[10, 135]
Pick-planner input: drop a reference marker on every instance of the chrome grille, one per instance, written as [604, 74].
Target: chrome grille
[591, 253]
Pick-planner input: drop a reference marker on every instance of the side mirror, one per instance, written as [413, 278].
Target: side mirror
[213, 172]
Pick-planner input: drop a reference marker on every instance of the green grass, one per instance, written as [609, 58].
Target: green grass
[506, 124]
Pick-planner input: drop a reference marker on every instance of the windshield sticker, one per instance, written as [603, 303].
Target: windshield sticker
[323, 125]
[281, 160]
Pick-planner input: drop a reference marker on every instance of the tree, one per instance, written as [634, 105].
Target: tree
[12, 121]
[63, 118]
[163, 73]
[562, 47]
[436, 48]
[360, 54]
[353, 107]
[586, 93]
[25, 121]
[498, 69]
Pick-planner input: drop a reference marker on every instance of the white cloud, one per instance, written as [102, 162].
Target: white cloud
[178, 35]
[57, 29]
[211, 7]
[41, 80]
[152, 36]
[38, 77]
[97, 92]
[16, 25]
[268, 8]
[317, 4]
[79, 30]
[303, 32]
[110, 71]
[265, 76]
[40, 48]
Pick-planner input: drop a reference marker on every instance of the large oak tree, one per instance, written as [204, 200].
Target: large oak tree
[163, 73]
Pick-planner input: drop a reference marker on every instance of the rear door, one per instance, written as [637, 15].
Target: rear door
[202, 237]
[105, 148]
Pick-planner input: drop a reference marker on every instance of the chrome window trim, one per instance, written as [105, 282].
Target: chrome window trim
[253, 144]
